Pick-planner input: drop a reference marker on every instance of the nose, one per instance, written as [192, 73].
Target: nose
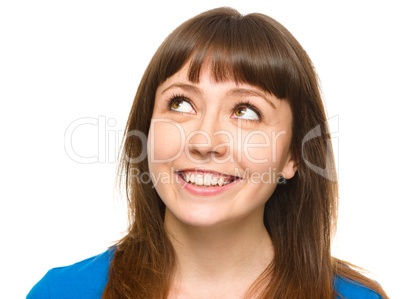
[208, 140]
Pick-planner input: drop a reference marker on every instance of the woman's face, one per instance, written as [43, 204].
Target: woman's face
[208, 133]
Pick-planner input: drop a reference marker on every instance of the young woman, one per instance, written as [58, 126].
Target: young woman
[241, 197]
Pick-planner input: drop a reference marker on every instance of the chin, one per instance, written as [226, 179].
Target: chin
[197, 218]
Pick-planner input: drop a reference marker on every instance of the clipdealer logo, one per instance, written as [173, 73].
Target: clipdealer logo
[109, 139]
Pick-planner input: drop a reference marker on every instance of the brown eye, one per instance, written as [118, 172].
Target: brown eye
[240, 111]
[180, 105]
[246, 113]
[176, 104]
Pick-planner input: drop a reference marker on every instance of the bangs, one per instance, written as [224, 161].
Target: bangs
[246, 49]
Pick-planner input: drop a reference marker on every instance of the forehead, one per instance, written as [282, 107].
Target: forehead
[206, 76]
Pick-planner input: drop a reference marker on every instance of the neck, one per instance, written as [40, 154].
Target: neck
[232, 253]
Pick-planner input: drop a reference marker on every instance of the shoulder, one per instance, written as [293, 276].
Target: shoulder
[85, 279]
[350, 289]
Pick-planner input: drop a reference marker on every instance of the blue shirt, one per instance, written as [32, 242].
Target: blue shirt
[87, 279]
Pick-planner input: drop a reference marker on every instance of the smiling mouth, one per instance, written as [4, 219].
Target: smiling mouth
[206, 180]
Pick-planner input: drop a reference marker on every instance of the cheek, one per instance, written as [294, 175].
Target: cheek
[165, 140]
[264, 152]
[262, 147]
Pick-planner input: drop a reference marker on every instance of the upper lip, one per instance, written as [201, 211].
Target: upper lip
[222, 174]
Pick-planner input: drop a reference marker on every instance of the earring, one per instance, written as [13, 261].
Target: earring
[281, 180]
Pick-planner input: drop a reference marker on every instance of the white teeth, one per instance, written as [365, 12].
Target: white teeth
[204, 180]
[207, 180]
[199, 180]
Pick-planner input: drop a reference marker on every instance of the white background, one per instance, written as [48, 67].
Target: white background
[65, 60]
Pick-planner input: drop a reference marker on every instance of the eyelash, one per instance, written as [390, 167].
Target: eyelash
[239, 103]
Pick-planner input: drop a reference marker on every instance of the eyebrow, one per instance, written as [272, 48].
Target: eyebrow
[250, 92]
[232, 92]
[184, 86]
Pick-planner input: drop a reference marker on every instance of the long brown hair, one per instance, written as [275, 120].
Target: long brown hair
[301, 214]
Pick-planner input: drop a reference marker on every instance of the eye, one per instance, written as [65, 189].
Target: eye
[180, 104]
[247, 112]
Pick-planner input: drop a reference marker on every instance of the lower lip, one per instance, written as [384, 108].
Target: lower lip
[206, 191]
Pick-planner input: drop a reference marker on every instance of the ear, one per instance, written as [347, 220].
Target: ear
[290, 167]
